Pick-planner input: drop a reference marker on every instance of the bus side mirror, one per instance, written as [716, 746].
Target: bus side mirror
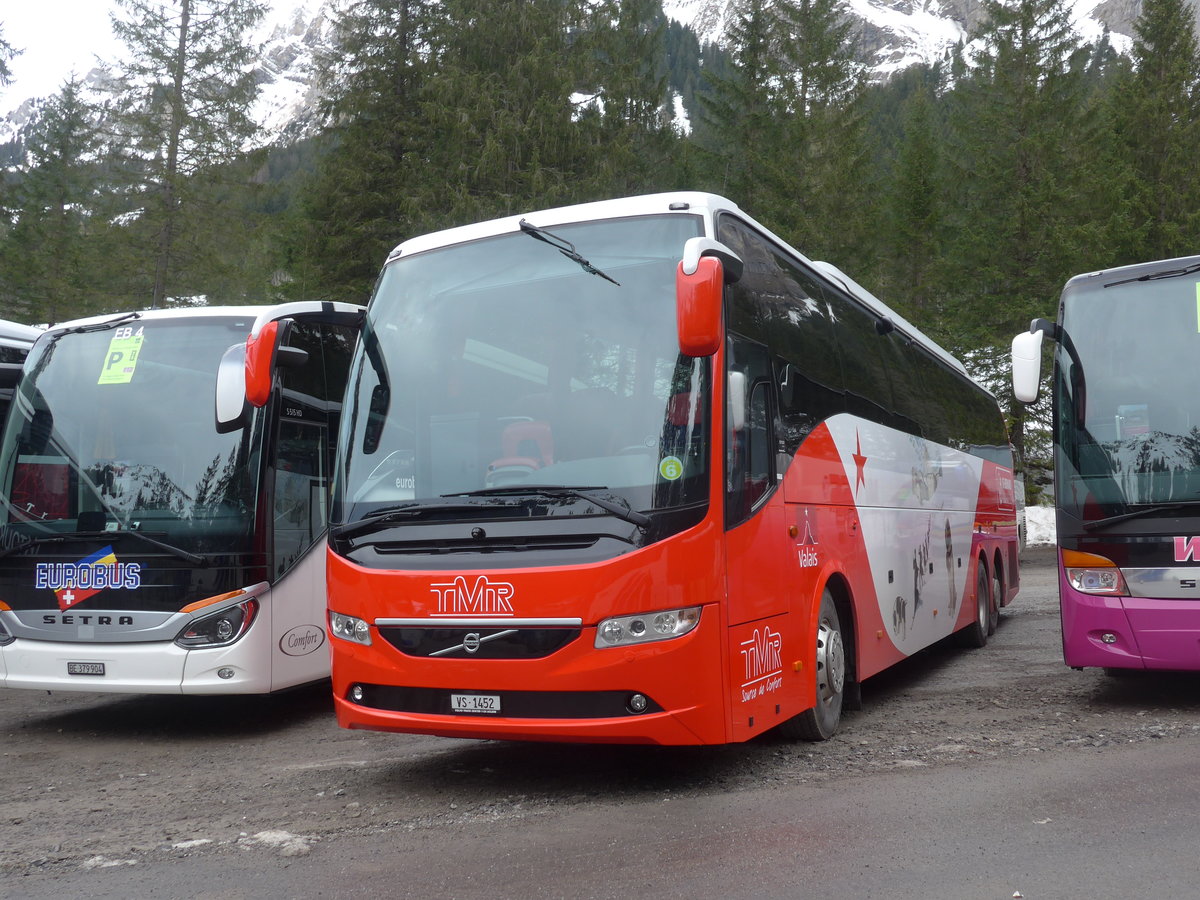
[291, 357]
[707, 266]
[231, 389]
[266, 352]
[698, 308]
[1027, 361]
[260, 364]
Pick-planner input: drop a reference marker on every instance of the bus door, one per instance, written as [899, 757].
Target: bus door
[758, 549]
[304, 425]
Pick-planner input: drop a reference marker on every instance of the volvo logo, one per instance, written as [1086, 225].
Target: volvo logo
[472, 641]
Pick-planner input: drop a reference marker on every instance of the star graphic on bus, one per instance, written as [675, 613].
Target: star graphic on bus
[860, 464]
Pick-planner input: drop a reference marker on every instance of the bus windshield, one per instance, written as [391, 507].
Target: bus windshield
[1128, 417]
[112, 429]
[541, 358]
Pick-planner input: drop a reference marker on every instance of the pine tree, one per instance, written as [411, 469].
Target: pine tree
[50, 256]
[743, 110]
[1157, 116]
[182, 111]
[375, 182]
[1021, 136]
[1024, 150]
[915, 214]
[7, 52]
[785, 128]
[826, 178]
[628, 124]
[505, 105]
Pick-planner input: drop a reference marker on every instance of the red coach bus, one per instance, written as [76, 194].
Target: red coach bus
[637, 471]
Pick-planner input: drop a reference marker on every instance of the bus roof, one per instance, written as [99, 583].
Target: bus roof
[184, 312]
[694, 202]
[1131, 272]
[14, 334]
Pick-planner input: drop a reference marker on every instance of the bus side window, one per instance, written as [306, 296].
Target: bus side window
[750, 448]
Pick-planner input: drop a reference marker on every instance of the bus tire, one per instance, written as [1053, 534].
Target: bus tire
[976, 634]
[821, 722]
[997, 598]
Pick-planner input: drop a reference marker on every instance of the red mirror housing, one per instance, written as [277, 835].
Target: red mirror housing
[698, 307]
[260, 354]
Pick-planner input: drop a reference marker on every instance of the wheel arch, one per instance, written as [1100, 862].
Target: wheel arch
[843, 601]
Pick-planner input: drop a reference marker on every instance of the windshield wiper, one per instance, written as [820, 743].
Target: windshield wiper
[381, 518]
[1155, 276]
[100, 326]
[565, 247]
[626, 512]
[106, 535]
[1139, 513]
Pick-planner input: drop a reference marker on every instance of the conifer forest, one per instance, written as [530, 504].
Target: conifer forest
[963, 193]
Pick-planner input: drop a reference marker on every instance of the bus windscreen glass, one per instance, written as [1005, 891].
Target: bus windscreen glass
[1128, 426]
[505, 362]
[113, 429]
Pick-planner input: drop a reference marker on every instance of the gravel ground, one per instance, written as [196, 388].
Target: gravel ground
[104, 780]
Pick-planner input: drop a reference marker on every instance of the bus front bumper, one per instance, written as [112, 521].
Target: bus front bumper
[668, 693]
[1130, 632]
[133, 668]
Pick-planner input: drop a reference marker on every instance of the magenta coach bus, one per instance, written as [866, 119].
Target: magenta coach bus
[1126, 462]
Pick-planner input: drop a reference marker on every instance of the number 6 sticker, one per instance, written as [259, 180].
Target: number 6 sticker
[671, 468]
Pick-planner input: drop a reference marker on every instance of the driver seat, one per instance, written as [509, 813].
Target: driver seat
[525, 447]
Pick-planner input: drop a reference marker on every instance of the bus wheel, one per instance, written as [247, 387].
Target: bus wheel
[994, 606]
[820, 722]
[976, 634]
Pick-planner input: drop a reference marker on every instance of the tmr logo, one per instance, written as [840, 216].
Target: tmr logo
[485, 598]
[1186, 549]
[763, 661]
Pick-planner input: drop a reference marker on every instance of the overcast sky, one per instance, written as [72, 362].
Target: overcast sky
[56, 35]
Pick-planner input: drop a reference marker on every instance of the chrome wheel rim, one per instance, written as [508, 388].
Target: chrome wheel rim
[831, 663]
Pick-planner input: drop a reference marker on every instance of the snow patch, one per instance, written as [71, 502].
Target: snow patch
[1039, 526]
[190, 845]
[103, 862]
[286, 843]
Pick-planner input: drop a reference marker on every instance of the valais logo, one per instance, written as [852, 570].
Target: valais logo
[73, 583]
[808, 546]
[1186, 549]
[484, 598]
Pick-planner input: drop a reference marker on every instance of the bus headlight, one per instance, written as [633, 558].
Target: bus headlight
[1092, 574]
[5, 635]
[349, 628]
[219, 629]
[644, 628]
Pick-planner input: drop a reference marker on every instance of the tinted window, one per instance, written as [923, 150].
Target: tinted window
[309, 411]
[780, 304]
[748, 448]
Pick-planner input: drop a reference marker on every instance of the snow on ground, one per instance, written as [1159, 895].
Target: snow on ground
[1039, 525]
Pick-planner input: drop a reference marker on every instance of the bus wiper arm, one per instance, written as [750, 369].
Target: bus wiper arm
[179, 552]
[626, 512]
[565, 247]
[1155, 276]
[381, 518]
[1138, 513]
[100, 326]
[61, 537]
